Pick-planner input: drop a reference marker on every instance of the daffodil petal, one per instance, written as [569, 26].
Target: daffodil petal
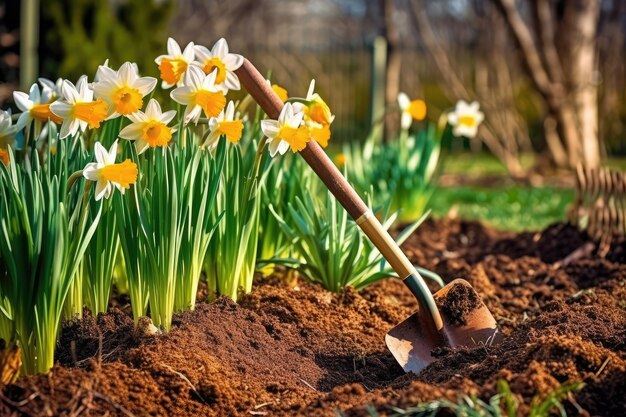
[145, 85]
[182, 95]
[132, 131]
[22, 101]
[90, 171]
[172, 47]
[220, 48]
[269, 127]
[167, 116]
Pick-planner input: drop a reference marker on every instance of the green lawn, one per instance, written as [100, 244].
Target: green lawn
[512, 208]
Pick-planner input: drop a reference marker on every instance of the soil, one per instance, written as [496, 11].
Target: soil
[292, 348]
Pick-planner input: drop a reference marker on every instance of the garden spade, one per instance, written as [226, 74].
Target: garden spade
[455, 316]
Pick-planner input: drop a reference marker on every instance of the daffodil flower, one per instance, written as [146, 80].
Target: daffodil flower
[286, 132]
[224, 124]
[317, 110]
[149, 129]
[122, 90]
[77, 108]
[411, 110]
[219, 58]
[280, 91]
[317, 115]
[173, 66]
[34, 105]
[319, 132]
[107, 174]
[199, 94]
[465, 119]
[7, 130]
[50, 89]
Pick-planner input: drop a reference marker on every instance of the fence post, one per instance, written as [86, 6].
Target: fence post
[29, 39]
[379, 65]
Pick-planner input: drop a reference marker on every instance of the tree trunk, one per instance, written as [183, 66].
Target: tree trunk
[561, 62]
[580, 22]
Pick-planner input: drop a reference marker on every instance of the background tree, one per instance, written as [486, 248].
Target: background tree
[559, 53]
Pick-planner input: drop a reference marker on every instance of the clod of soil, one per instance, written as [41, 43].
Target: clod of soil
[457, 303]
[300, 350]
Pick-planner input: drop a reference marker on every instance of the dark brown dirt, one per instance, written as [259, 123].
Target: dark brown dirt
[295, 349]
[456, 304]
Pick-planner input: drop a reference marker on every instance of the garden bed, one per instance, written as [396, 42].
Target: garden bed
[291, 348]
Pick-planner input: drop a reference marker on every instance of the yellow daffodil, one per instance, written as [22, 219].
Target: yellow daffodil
[465, 119]
[4, 156]
[199, 94]
[317, 110]
[280, 91]
[149, 129]
[34, 105]
[7, 130]
[224, 124]
[77, 108]
[107, 173]
[286, 132]
[122, 90]
[341, 159]
[218, 58]
[411, 110]
[173, 66]
[317, 116]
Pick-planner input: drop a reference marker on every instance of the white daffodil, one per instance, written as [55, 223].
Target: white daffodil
[122, 90]
[77, 108]
[224, 124]
[411, 110]
[104, 68]
[199, 93]
[34, 105]
[465, 119]
[107, 173]
[173, 66]
[286, 131]
[50, 89]
[149, 129]
[219, 58]
[7, 132]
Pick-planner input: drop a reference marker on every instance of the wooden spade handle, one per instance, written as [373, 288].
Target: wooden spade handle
[315, 156]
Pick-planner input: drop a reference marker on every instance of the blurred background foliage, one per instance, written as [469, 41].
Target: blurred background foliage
[78, 35]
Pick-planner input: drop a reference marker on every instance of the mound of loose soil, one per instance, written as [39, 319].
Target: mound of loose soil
[291, 348]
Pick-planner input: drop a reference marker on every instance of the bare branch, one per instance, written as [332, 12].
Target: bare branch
[524, 38]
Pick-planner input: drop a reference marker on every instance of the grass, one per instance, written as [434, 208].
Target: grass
[513, 208]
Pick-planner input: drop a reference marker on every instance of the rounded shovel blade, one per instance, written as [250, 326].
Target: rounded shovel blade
[466, 322]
